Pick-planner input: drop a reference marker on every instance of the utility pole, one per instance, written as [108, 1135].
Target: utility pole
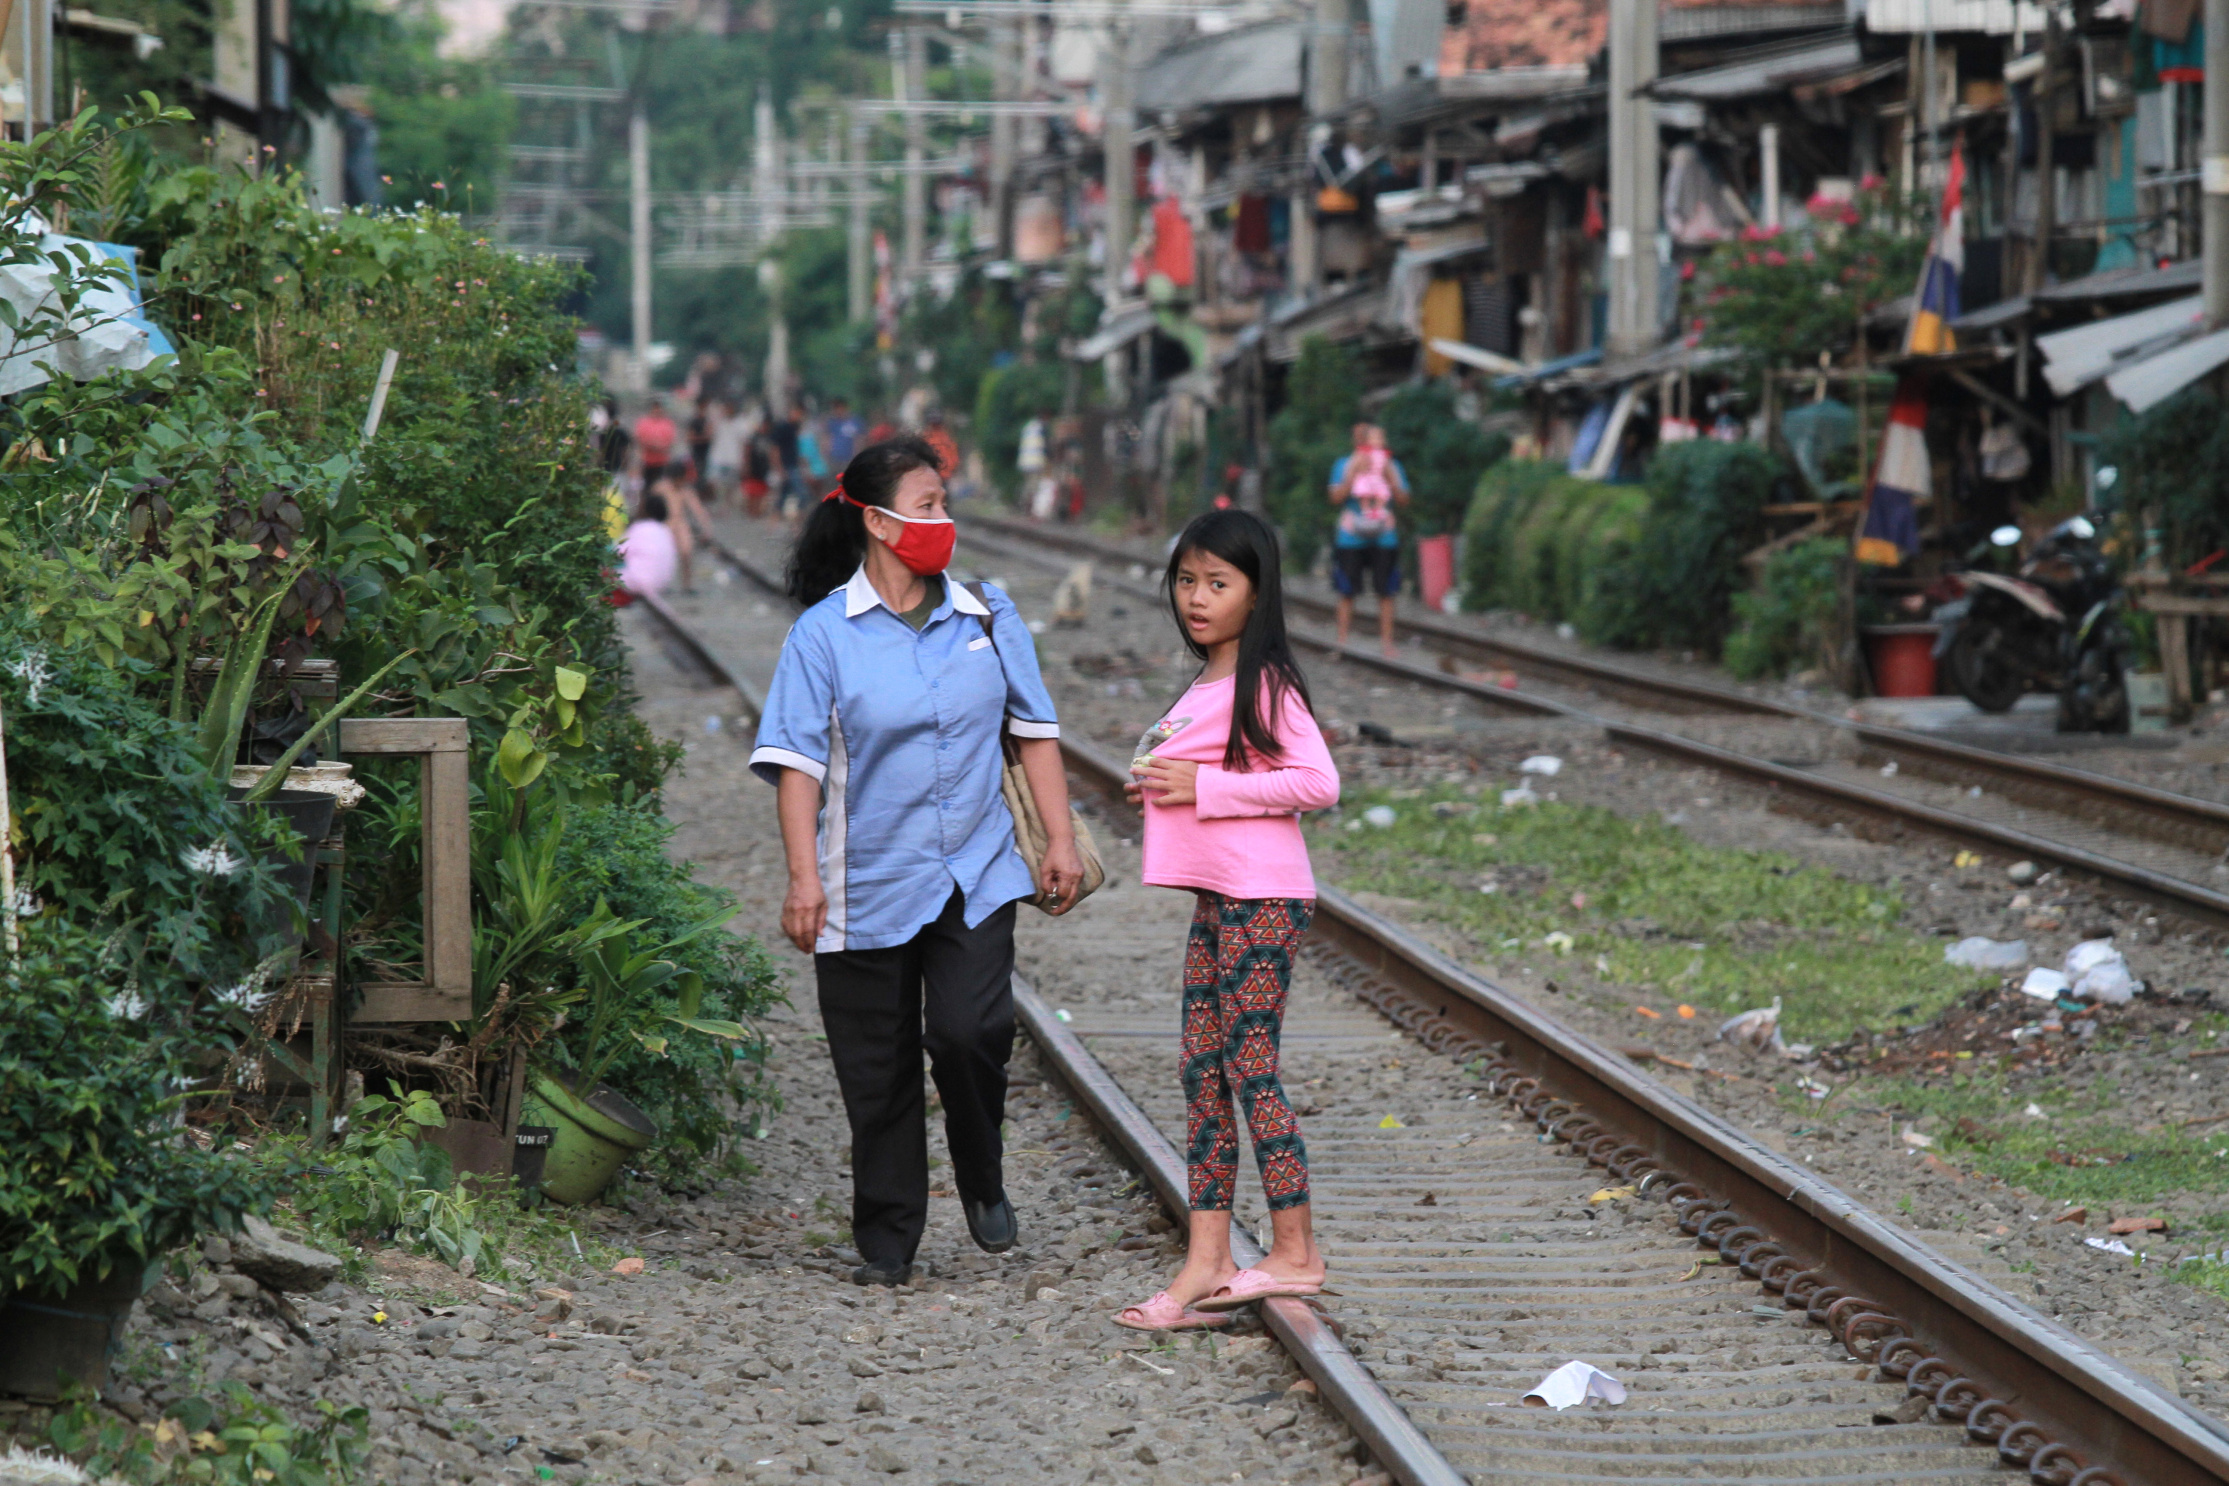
[1121, 160]
[1633, 177]
[1328, 64]
[1006, 71]
[2047, 186]
[1768, 174]
[859, 262]
[2215, 168]
[638, 237]
[913, 87]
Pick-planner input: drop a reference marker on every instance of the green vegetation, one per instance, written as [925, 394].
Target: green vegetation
[2080, 1148]
[1644, 905]
[235, 1439]
[1308, 435]
[1443, 455]
[2176, 457]
[1627, 569]
[1784, 623]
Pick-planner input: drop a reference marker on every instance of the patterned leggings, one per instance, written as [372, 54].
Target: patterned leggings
[1238, 966]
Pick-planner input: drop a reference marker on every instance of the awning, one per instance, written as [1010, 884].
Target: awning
[1702, 22]
[1350, 316]
[1763, 70]
[1476, 356]
[2152, 381]
[1113, 336]
[1532, 374]
[1989, 17]
[2075, 358]
[2128, 283]
[1252, 64]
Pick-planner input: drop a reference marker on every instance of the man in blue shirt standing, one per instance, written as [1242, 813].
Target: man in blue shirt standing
[1366, 488]
[843, 433]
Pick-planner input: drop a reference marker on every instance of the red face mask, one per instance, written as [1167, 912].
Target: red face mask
[925, 546]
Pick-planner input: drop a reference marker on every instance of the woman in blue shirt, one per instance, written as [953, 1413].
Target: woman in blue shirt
[881, 737]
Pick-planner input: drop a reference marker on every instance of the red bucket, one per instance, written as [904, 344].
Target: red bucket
[1903, 659]
[1435, 561]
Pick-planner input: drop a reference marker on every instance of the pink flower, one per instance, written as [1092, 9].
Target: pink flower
[1871, 182]
[1849, 215]
[1777, 258]
[1686, 272]
[1809, 256]
[1750, 259]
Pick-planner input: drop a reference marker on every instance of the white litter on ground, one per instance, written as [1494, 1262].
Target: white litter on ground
[1983, 953]
[1574, 1383]
[1546, 764]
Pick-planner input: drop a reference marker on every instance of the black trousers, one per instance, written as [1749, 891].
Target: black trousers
[948, 990]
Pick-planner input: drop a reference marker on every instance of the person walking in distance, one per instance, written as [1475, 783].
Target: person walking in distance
[881, 738]
[844, 430]
[729, 430]
[1366, 487]
[1222, 779]
[655, 434]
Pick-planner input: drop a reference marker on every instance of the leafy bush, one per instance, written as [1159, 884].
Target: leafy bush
[2174, 461]
[1443, 455]
[1784, 624]
[1308, 435]
[1535, 536]
[1675, 584]
[97, 1176]
[118, 827]
[1009, 397]
[236, 1440]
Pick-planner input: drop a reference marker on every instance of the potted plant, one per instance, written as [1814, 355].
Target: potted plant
[100, 1178]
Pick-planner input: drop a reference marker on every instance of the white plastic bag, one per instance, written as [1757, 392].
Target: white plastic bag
[2044, 983]
[1988, 954]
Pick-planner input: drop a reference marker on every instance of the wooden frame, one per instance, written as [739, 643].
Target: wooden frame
[445, 995]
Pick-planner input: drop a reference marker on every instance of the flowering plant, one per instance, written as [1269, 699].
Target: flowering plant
[1782, 297]
[99, 1176]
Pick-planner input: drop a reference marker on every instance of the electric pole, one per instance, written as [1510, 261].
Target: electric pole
[1328, 64]
[2215, 169]
[859, 260]
[638, 238]
[1633, 177]
[1006, 70]
[1121, 161]
[913, 87]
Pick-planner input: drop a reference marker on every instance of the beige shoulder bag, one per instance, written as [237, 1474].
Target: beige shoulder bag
[1029, 825]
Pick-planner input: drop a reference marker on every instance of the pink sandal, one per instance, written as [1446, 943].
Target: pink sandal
[1250, 1285]
[1164, 1313]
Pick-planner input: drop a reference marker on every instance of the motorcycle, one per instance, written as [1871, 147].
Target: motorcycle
[2054, 622]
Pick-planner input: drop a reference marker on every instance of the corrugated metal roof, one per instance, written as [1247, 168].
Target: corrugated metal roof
[1990, 17]
[2077, 357]
[1253, 64]
[1764, 70]
[2155, 379]
[2127, 282]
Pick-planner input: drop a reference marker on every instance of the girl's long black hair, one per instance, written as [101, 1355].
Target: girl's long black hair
[1267, 674]
[834, 541]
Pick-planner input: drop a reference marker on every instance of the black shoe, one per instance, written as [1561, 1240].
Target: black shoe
[880, 1272]
[991, 1223]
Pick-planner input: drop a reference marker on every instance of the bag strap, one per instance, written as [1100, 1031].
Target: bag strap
[1007, 747]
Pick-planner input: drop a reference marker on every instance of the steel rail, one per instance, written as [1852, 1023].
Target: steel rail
[703, 655]
[2096, 1404]
[2128, 806]
[1394, 1440]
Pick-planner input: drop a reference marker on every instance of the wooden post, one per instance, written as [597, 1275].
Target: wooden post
[445, 995]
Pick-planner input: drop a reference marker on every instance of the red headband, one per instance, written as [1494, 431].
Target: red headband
[837, 492]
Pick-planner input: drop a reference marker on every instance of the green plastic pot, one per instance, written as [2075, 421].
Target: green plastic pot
[595, 1134]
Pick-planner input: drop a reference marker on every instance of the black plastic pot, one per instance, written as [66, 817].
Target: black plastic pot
[48, 1341]
[310, 815]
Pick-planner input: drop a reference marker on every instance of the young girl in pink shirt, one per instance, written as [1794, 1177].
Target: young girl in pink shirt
[1222, 779]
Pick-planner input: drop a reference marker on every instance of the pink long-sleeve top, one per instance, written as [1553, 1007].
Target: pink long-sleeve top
[1242, 836]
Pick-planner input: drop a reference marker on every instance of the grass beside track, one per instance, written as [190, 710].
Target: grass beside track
[1641, 904]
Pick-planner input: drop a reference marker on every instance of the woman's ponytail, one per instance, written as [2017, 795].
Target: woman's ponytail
[834, 541]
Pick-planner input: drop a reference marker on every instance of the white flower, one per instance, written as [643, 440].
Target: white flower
[33, 671]
[127, 1007]
[248, 995]
[214, 860]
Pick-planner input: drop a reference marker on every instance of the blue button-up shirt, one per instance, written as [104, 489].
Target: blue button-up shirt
[901, 729]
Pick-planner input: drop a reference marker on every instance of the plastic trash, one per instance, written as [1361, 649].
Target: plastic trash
[1573, 1383]
[1381, 816]
[1756, 1029]
[1988, 954]
[2098, 972]
[1545, 764]
[2110, 1246]
[2043, 983]
[1521, 795]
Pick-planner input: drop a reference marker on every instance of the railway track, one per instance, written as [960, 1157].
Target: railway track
[1807, 1339]
[2151, 844]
